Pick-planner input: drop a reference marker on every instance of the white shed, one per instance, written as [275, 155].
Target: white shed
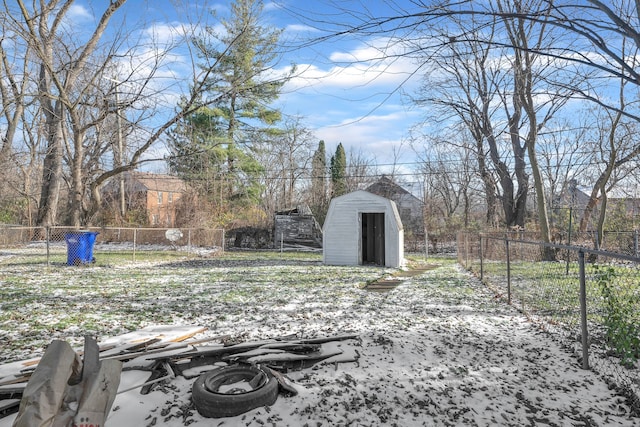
[363, 228]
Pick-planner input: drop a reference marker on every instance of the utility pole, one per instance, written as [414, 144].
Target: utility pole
[118, 152]
[120, 157]
[425, 211]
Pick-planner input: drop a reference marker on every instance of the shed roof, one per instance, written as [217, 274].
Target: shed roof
[360, 196]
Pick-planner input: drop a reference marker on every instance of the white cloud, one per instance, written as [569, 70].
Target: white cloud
[355, 75]
[366, 54]
[352, 97]
[79, 13]
[373, 65]
[379, 136]
[298, 28]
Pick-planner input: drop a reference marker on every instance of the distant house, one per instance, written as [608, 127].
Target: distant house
[410, 208]
[577, 199]
[572, 196]
[156, 195]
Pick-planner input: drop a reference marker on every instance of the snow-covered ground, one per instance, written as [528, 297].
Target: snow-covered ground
[438, 350]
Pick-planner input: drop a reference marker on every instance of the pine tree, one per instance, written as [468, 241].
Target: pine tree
[319, 183]
[339, 172]
[247, 51]
[198, 154]
[238, 95]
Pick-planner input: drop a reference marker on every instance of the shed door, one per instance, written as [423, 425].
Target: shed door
[372, 234]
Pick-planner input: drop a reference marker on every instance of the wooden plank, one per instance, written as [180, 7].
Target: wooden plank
[9, 406]
[135, 341]
[164, 333]
[129, 348]
[15, 379]
[188, 335]
[164, 348]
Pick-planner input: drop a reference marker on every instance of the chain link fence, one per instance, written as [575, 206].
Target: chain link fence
[624, 242]
[431, 244]
[79, 247]
[587, 298]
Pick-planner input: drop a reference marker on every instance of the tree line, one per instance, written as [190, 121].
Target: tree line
[519, 99]
[81, 109]
[530, 97]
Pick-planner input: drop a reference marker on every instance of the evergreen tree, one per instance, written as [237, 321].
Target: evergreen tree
[237, 94]
[197, 153]
[240, 58]
[319, 183]
[339, 172]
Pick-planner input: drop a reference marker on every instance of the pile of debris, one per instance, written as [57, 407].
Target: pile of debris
[229, 378]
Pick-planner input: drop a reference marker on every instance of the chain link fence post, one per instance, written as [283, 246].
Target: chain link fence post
[583, 311]
[506, 241]
[47, 234]
[481, 261]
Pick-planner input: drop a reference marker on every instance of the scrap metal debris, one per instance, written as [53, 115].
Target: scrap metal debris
[164, 352]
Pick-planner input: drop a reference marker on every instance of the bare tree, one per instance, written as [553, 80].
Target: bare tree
[565, 153]
[617, 150]
[13, 90]
[81, 82]
[530, 71]
[16, 166]
[451, 184]
[59, 70]
[287, 155]
[501, 96]
[616, 143]
[462, 90]
[589, 46]
[360, 170]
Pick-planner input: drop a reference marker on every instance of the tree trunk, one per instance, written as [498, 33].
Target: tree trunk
[76, 196]
[590, 207]
[491, 198]
[52, 167]
[519, 199]
[599, 237]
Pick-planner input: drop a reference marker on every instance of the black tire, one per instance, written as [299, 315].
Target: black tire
[211, 403]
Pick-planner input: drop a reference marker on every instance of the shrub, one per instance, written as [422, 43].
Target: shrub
[621, 321]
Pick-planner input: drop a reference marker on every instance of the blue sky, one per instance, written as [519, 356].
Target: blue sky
[342, 93]
[339, 93]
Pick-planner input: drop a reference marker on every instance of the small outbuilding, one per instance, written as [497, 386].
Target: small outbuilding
[296, 227]
[363, 228]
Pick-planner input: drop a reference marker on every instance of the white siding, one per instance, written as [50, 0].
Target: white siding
[341, 231]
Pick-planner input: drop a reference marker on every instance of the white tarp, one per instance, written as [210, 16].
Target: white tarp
[65, 391]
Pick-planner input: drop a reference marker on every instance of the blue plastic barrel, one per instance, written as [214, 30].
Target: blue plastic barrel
[80, 247]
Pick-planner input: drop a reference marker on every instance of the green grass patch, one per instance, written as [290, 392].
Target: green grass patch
[552, 290]
[39, 303]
